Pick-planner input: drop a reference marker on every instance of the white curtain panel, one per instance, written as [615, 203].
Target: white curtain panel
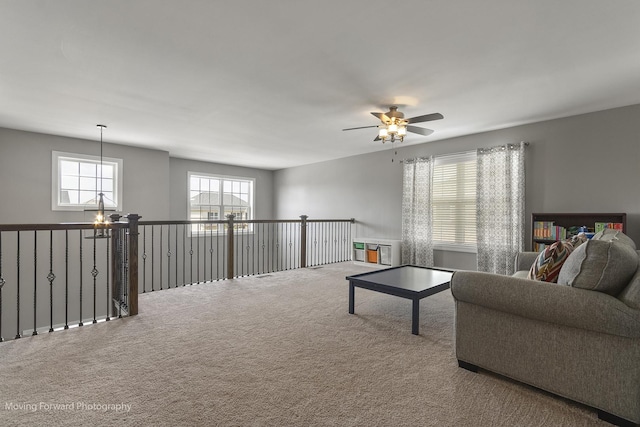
[500, 207]
[417, 244]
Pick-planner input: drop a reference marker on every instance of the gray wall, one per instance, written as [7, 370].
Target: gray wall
[25, 173]
[586, 163]
[155, 185]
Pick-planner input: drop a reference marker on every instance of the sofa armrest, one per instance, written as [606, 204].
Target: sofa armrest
[524, 260]
[547, 302]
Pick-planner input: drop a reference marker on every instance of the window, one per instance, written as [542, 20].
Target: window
[77, 180]
[454, 202]
[212, 198]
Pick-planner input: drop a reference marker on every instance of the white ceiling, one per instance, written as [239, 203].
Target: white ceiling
[271, 84]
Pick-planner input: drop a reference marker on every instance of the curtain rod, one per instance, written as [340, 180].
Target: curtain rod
[526, 144]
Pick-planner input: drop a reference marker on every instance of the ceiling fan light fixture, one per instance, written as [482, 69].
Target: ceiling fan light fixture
[394, 126]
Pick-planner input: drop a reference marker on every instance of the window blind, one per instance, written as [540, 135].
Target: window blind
[454, 199]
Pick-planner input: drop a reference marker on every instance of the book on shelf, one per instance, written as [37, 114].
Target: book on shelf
[539, 247]
[547, 230]
[599, 226]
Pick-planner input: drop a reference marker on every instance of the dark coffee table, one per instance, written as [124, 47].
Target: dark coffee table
[407, 281]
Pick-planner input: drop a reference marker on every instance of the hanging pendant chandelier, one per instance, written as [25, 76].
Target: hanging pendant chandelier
[101, 219]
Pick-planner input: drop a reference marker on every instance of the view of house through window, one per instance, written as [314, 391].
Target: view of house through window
[78, 179]
[454, 202]
[212, 198]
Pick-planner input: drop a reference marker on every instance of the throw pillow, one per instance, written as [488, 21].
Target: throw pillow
[549, 262]
[599, 265]
[609, 234]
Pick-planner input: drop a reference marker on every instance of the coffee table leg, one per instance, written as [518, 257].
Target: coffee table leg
[415, 317]
[351, 297]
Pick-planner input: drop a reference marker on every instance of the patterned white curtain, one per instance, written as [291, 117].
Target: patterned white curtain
[417, 244]
[500, 207]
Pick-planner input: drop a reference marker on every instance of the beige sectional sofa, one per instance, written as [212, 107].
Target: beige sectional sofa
[578, 338]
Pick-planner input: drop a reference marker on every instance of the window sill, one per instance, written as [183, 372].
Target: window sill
[453, 247]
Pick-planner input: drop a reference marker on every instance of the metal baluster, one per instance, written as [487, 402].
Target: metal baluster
[349, 242]
[325, 242]
[184, 251]
[341, 242]
[198, 257]
[94, 273]
[204, 254]
[316, 250]
[80, 323]
[211, 251]
[66, 279]
[241, 247]
[176, 257]
[125, 272]
[289, 239]
[160, 256]
[2, 282]
[191, 258]
[169, 257]
[321, 244]
[152, 258]
[262, 246]
[278, 235]
[144, 261]
[35, 278]
[246, 247]
[18, 288]
[51, 277]
[119, 248]
[224, 256]
[252, 243]
[343, 229]
[108, 267]
[285, 265]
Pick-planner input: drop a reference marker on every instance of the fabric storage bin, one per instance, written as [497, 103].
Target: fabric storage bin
[359, 254]
[385, 254]
[372, 253]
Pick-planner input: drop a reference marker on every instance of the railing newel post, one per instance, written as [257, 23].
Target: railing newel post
[133, 263]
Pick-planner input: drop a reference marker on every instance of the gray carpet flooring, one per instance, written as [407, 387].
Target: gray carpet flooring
[273, 350]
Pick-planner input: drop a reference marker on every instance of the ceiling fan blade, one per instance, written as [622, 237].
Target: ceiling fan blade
[361, 127]
[421, 131]
[382, 116]
[425, 118]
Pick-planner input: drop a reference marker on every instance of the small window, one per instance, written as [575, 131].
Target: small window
[212, 198]
[78, 179]
[454, 202]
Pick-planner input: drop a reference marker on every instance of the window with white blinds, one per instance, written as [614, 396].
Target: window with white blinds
[454, 202]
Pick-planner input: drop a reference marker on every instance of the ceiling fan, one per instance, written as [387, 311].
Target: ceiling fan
[394, 126]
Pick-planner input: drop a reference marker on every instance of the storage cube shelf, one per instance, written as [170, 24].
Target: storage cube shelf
[376, 252]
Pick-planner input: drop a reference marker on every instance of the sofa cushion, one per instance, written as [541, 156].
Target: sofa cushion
[599, 265]
[547, 265]
[631, 294]
[609, 234]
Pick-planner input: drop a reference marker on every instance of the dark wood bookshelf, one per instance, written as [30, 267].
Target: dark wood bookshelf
[568, 220]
